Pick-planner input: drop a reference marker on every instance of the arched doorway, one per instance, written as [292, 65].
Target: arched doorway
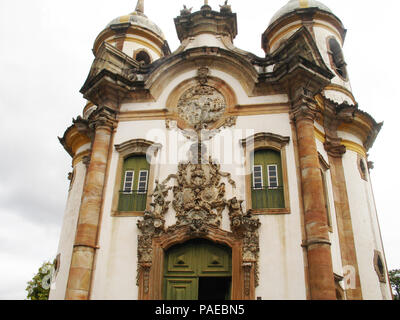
[198, 270]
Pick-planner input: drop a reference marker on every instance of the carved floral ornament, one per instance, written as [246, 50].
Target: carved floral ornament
[199, 200]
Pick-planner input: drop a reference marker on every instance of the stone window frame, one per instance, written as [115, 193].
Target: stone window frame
[360, 164]
[274, 142]
[332, 63]
[125, 150]
[324, 167]
[381, 275]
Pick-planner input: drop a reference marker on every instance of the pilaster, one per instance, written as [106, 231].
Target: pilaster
[321, 277]
[102, 122]
[334, 116]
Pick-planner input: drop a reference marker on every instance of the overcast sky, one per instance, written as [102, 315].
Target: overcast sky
[45, 57]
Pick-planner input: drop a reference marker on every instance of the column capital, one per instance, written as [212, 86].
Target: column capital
[306, 111]
[334, 147]
[103, 117]
[304, 107]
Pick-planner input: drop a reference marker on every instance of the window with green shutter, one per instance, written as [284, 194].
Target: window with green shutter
[267, 189]
[133, 191]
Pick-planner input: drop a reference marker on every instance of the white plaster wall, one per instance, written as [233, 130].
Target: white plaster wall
[366, 229]
[241, 95]
[68, 231]
[281, 261]
[350, 137]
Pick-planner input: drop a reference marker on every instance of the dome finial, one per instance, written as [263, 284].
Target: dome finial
[140, 6]
[206, 6]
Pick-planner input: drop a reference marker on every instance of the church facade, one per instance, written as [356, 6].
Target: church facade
[212, 173]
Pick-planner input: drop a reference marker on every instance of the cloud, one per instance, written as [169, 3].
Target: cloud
[24, 246]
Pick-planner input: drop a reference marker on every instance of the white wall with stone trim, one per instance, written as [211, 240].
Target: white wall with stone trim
[68, 231]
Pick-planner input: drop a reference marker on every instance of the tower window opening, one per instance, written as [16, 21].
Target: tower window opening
[143, 57]
[337, 59]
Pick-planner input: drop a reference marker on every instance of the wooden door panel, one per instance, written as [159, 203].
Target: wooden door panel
[214, 260]
[181, 261]
[186, 263]
[181, 289]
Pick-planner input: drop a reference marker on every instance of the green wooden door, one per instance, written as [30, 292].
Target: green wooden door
[267, 180]
[133, 191]
[186, 264]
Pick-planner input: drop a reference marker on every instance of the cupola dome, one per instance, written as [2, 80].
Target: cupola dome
[135, 35]
[138, 19]
[294, 5]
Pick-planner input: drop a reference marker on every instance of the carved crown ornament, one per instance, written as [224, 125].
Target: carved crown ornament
[199, 200]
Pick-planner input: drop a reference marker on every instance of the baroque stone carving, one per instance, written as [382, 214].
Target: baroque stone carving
[225, 8]
[199, 195]
[199, 199]
[201, 105]
[334, 147]
[245, 226]
[202, 75]
[185, 11]
[103, 117]
[151, 226]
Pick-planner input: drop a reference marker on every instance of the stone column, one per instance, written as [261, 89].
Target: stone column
[321, 277]
[335, 149]
[80, 274]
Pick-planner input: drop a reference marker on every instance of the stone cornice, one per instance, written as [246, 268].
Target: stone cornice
[138, 146]
[77, 135]
[349, 118]
[115, 78]
[265, 136]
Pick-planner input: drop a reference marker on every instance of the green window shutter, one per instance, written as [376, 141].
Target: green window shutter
[134, 182]
[267, 163]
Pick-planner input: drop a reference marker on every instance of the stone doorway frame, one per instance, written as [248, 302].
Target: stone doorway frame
[243, 273]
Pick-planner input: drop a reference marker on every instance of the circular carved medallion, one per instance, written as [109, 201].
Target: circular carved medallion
[201, 105]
